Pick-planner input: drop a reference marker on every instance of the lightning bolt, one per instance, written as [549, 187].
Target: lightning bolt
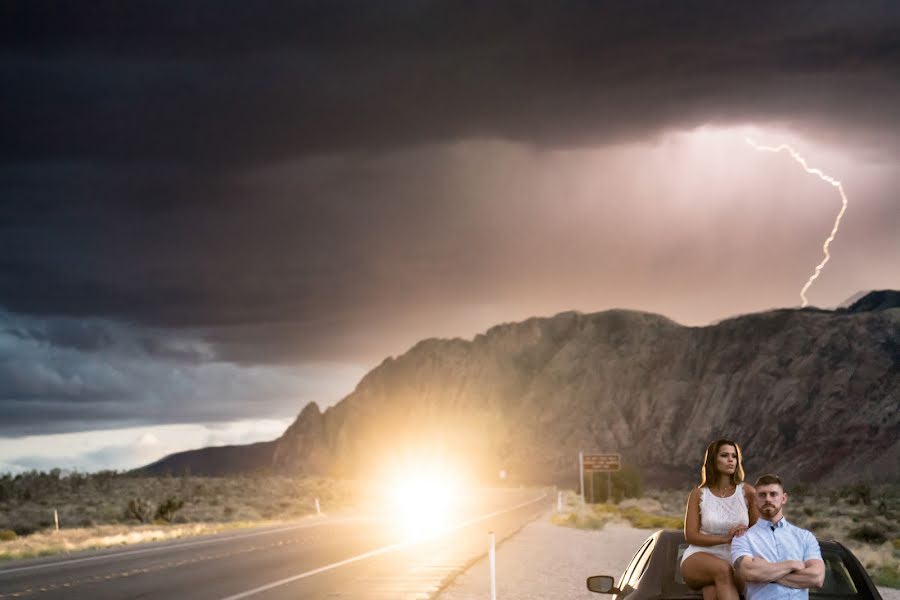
[837, 221]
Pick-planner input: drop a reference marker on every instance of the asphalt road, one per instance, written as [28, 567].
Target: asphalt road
[364, 557]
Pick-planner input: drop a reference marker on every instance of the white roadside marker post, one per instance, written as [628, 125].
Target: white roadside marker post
[56, 519]
[493, 560]
[558, 501]
[318, 507]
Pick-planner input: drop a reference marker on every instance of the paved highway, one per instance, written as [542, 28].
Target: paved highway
[365, 557]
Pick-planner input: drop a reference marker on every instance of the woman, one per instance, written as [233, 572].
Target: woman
[720, 508]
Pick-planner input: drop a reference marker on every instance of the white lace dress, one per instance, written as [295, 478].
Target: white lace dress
[717, 517]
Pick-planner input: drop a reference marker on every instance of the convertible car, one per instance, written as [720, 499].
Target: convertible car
[653, 573]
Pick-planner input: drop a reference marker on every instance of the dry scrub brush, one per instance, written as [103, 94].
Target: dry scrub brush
[27, 500]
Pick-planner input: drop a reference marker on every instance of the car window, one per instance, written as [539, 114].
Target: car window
[641, 564]
[838, 581]
[635, 562]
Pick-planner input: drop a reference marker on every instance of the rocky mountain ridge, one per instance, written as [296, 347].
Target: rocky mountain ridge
[812, 394]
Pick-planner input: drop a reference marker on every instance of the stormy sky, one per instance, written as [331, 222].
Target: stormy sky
[212, 213]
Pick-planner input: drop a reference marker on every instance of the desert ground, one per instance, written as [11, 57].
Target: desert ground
[108, 508]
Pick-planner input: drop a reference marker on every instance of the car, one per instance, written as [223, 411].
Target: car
[653, 573]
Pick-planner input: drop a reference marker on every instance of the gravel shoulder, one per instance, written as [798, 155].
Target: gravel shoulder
[547, 562]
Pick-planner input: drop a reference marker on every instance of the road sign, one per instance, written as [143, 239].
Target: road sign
[602, 462]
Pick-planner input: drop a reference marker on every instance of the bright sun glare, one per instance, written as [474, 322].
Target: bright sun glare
[423, 498]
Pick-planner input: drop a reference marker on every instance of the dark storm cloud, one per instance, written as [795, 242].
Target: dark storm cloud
[93, 335]
[197, 196]
[273, 176]
[176, 251]
[232, 82]
[61, 374]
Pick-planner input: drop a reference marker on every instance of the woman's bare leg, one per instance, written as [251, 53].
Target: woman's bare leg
[709, 592]
[702, 569]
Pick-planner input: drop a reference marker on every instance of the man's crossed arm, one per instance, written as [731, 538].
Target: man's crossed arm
[811, 575]
[789, 573]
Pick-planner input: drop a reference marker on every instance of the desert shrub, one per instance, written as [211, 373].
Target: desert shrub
[808, 511]
[887, 577]
[590, 521]
[22, 529]
[589, 517]
[7, 535]
[140, 509]
[228, 511]
[605, 509]
[887, 525]
[858, 492]
[868, 534]
[598, 515]
[103, 480]
[568, 520]
[81, 499]
[645, 520]
[818, 525]
[110, 514]
[167, 509]
[625, 483]
[76, 481]
[799, 490]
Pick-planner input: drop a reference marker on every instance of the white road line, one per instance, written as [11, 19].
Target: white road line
[114, 555]
[376, 552]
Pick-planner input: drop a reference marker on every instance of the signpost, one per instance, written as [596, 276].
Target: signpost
[581, 475]
[599, 463]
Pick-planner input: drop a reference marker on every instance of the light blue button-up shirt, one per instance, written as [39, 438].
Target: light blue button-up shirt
[775, 543]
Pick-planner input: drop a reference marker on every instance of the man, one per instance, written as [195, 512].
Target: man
[777, 560]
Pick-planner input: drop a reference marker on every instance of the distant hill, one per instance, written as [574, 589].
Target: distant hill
[215, 461]
[852, 300]
[811, 394]
[874, 301]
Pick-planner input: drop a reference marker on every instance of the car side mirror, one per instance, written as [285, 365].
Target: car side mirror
[602, 584]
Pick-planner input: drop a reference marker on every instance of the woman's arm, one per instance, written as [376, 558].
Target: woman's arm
[692, 524]
[752, 509]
